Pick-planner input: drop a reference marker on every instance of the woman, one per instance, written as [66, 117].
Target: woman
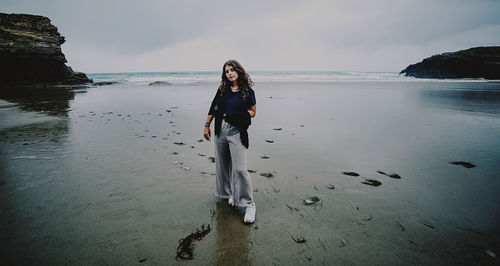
[233, 107]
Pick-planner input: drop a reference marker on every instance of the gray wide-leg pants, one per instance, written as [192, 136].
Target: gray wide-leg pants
[232, 177]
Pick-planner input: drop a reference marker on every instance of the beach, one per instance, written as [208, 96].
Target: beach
[350, 172]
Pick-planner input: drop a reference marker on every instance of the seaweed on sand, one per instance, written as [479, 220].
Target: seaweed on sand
[186, 245]
[267, 175]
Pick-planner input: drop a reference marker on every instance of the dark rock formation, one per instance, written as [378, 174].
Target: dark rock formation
[30, 53]
[478, 62]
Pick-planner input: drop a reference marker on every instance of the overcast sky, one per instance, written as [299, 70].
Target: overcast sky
[353, 35]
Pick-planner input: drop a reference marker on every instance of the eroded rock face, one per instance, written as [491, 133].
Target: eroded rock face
[478, 62]
[30, 52]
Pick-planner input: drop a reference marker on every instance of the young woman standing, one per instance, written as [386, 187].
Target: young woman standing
[233, 107]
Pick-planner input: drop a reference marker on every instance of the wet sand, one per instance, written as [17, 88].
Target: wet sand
[119, 174]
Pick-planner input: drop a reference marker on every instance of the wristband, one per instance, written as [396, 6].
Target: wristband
[207, 124]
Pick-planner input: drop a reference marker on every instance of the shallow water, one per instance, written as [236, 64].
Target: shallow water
[94, 176]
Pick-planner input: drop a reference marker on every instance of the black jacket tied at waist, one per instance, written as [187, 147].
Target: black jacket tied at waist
[238, 118]
[242, 121]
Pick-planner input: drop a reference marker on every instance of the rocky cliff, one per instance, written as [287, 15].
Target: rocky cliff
[478, 62]
[30, 53]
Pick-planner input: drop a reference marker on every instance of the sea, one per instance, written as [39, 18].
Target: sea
[200, 77]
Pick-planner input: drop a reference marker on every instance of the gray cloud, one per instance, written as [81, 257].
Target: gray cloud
[154, 35]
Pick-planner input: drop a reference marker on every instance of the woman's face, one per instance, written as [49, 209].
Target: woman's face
[231, 74]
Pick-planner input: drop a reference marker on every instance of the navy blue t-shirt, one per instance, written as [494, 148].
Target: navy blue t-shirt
[232, 102]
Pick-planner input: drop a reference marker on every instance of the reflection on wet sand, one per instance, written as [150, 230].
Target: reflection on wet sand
[486, 100]
[233, 241]
[49, 100]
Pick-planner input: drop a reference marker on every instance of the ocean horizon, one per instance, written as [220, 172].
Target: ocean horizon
[203, 77]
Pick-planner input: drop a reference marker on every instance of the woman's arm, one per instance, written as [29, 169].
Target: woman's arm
[206, 132]
[253, 110]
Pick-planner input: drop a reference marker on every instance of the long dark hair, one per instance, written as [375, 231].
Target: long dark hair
[244, 81]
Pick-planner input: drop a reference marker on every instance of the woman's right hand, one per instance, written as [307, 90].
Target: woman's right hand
[206, 133]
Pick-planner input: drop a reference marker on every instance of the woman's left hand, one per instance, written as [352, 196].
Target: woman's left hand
[206, 133]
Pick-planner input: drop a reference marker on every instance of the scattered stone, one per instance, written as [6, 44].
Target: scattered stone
[179, 143]
[267, 175]
[278, 128]
[393, 175]
[464, 164]
[160, 83]
[141, 259]
[401, 226]
[103, 83]
[264, 157]
[371, 182]
[350, 173]
[175, 153]
[269, 141]
[252, 171]
[201, 155]
[311, 200]
[276, 189]
[490, 253]
[186, 245]
[329, 186]
[299, 239]
[429, 225]
[200, 140]
[212, 159]
[186, 168]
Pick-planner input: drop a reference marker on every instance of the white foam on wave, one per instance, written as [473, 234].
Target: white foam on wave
[193, 78]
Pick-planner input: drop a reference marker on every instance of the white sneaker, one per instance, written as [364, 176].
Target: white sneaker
[250, 214]
[230, 201]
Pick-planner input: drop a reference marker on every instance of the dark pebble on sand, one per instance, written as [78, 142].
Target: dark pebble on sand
[350, 173]
[299, 239]
[269, 141]
[179, 143]
[372, 182]
[252, 171]
[330, 186]
[212, 159]
[264, 157]
[464, 164]
[393, 175]
[279, 128]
